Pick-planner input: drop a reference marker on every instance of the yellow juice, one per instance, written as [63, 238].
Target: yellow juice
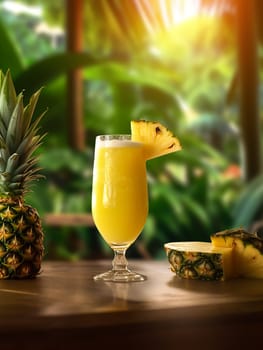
[119, 194]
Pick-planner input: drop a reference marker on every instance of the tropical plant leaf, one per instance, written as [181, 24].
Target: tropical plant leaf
[10, 56]
[249, 203]
[44, 71]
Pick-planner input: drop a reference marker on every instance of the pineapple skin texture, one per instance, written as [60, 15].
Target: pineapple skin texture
[21, 236]
[21, 240]
[196, 265]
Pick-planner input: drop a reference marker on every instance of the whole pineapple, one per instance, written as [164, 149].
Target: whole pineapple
[21, 236]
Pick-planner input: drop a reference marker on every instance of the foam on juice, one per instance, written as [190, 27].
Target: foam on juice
[117, 143]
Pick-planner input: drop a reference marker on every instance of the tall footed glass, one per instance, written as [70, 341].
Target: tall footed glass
[119, 199]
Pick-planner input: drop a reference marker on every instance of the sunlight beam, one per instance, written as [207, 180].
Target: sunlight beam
[183, 10]
[149, 25]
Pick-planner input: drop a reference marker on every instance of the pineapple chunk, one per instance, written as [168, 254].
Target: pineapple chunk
[200, 260]
[247, 251]
[157, 139]
[231, 254]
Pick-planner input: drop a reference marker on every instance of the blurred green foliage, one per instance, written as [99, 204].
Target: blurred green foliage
[184, 85]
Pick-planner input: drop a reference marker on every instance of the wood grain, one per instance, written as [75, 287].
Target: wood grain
[65, 306]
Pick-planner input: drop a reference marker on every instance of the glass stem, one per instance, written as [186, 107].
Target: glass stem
[119, 262]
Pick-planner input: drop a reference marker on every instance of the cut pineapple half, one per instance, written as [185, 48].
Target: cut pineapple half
[157, 139]
[200, 260]
[231, 254]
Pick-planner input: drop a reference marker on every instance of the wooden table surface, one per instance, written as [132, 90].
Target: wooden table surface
[64, 308]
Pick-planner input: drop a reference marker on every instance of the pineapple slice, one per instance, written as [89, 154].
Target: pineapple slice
[200, 260]
[158, 140]
[247, 251]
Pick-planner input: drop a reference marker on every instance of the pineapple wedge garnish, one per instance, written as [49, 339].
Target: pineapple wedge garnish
[157, 139]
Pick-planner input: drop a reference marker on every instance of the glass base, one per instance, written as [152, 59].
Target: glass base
[120, 276]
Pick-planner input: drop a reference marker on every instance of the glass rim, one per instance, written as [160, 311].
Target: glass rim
[113, 135]
[108, 137]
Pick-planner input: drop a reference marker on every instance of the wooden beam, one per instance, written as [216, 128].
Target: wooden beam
[76, 128]
[248, 69]
[63, 219]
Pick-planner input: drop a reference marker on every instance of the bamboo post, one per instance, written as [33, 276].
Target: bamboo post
[248, 73]
[76, 130]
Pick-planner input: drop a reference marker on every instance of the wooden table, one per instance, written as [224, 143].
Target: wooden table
[65, 309]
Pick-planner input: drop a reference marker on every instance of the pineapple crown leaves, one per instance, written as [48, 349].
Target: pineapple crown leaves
[19, 139]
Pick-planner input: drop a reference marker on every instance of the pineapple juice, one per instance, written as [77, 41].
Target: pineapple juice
[119, 198]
